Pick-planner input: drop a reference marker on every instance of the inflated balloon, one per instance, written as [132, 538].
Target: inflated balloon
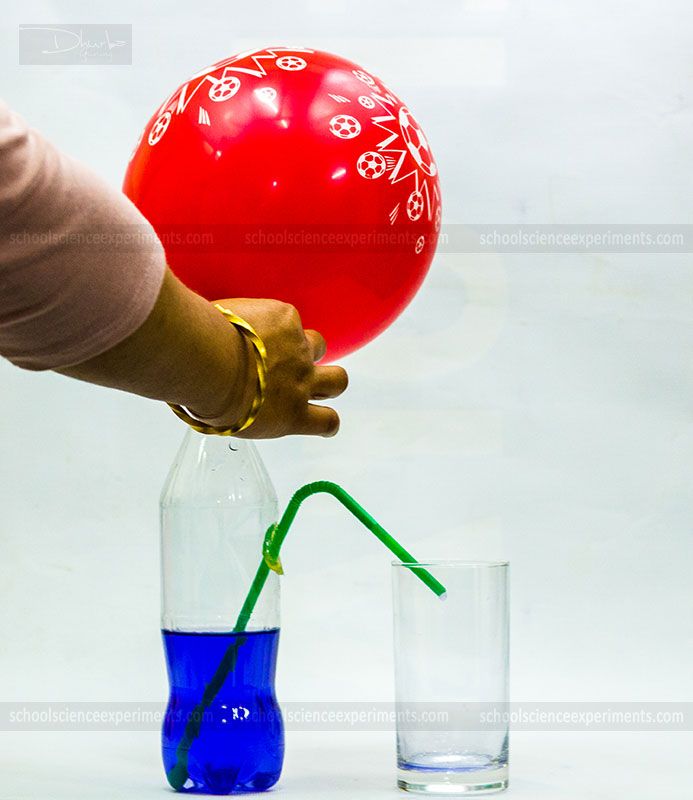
[293, 174]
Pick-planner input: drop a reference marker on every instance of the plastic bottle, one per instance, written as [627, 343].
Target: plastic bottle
[223, 731]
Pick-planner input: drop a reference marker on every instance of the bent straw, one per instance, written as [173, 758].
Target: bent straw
[274, 538]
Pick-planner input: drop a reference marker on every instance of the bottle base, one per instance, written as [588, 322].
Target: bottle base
[225, 785]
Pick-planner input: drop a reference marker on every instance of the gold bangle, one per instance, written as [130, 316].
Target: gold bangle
[260, 354]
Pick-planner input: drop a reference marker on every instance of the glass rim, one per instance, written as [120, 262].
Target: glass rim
[450, 562]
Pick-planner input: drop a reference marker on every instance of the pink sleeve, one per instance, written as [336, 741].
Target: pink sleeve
[80, 267]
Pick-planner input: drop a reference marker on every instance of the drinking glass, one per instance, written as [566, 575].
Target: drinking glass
[451, 677]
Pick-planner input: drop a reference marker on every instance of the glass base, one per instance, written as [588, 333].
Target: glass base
[453, 782]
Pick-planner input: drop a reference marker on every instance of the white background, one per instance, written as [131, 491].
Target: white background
[529, 407]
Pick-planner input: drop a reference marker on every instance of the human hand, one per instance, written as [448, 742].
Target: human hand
[293, 377]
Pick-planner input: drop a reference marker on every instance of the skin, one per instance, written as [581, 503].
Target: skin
[187, 353]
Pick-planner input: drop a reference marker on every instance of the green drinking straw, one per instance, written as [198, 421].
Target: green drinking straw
[274, 538]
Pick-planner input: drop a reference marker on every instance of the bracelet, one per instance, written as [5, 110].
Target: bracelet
[260, 354]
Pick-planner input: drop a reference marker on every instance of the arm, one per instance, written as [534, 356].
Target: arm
[111, 313]
[187, 353]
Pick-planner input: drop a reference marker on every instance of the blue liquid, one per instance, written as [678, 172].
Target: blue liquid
[240, 746]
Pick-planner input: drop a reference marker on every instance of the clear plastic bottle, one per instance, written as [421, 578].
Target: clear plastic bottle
[223, 731]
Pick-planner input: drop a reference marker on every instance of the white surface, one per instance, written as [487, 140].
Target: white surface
[534, 408]
[123, 766]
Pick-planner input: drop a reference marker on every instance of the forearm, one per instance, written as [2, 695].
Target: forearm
[88, 301]
[185, 352]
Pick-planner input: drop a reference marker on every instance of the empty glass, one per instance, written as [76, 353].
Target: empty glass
[451, 674]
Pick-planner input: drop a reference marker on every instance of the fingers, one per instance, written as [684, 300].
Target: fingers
[328, 382]
[317, 344]
[318, 421]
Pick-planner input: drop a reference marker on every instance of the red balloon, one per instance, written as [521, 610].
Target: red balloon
[293, 174]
